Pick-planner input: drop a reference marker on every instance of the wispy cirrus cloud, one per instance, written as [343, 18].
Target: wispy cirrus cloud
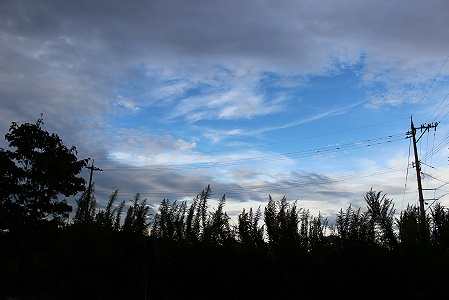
[232, 104]
[220, 135]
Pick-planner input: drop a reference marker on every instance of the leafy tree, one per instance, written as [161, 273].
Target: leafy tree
[272, 223]
[289, 228]
[413, 234]
[36, 170]
[249, 231]
[303, 222]
[440, 227]
[136, 217]
[218, 230]
[281, 220]
[381, 212]
[179, 213]
[85, 209]
[164, 220]
[197, 217]
[118, 215]
[109, 218]
[372, 227]
[9, 212]
[354, 228]
[169, 221]
[317, 230]
[201, 211]
[191, 231]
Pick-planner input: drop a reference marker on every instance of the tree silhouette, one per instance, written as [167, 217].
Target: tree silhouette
[136, 217]
[281, 221]
[316, 232]
[354, 228]
[168, 222]
[110, 217]
[381, 212]
[93, 256]
[250, 233]
[218, 230]
[86, 206]
[413, 234]
[197, 217]
[36, 170]
[369, 228]
[440, 227]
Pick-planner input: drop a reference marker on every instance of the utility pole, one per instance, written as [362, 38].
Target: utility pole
[423, 128]
[91, 168]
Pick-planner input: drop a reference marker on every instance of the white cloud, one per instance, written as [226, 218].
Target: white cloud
[127, 103]
[219, 135]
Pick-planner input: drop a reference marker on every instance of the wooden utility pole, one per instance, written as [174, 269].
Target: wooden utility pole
[91, 168]
[423, 128]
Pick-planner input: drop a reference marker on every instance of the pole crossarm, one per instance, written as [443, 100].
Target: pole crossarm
[423, 128]
[91, 168]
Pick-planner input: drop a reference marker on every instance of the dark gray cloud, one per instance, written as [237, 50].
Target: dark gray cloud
[72, 55]
[303, 35]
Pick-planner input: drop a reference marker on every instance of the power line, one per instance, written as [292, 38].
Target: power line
[267, 187]
[434, 178]
[271, 157]
[442, 144]
[270, 187]
[406, 174]
[433, 81]
[436, 118]
[435, 200]
[304, 138]
[444, 116]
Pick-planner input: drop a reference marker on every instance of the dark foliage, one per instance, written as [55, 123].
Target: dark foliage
[193, 251]
[35, 171]
[105, 256]
[250, 234]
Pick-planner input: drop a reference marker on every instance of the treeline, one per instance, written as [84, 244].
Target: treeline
[194, 250]
[281, 226]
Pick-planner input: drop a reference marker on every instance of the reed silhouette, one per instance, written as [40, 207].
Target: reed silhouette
[190, 249]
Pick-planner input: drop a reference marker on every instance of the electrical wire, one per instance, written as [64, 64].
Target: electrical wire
[303, 138]
[444, 116]
[269, 158]
[427, 148]
[271, 187]
[267, 187]
[435, 200]
[433, 81]
[434, 178]
[433, 145]
[406, 174]
[436, 118]
[442, 144]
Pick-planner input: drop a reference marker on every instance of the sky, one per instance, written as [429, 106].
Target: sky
[310, 100]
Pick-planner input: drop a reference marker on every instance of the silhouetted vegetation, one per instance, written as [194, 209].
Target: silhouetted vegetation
[192, 250]
[36, 171]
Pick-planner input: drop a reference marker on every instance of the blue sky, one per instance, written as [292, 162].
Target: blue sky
[307, 99]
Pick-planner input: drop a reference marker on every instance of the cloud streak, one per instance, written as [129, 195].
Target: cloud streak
[220, 135]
